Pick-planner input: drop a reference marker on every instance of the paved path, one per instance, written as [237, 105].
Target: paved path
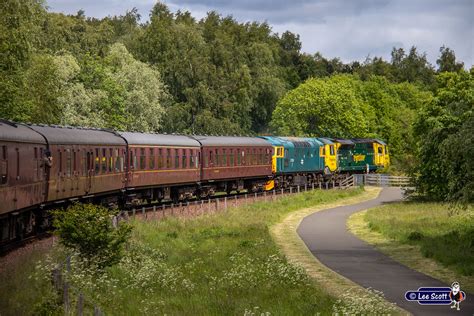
[326, 236]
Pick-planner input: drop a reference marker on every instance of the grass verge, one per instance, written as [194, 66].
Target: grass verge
[224, 263]
[427, 237]
[356, 297]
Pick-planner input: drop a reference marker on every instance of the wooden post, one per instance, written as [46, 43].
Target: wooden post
[291, 190]
[333, 184]
[255, 197]
[181, 208]
[172, 209]
[235, 200]
[163, 209]
[209, 205]
[298, 189]
[217, 204]
[225, 203]
[312, 186]
[80, 304]
[245, 198]
[66, 297]
[320, 185]
[143, 212]
[154, 211]
[274, 194]
[327, 185]
[281, 191]
[133, 212]
[265, 195]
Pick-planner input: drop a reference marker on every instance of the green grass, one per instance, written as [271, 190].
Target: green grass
[220, 264]
[442, 234]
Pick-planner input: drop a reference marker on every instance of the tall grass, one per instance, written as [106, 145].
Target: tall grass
[445, 235]
[219, 264]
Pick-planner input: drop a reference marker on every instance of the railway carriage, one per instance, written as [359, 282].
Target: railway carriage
[86, 164]
[22, 185]
[234, 163]
[161, 166]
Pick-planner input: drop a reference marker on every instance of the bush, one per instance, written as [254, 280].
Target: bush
[88, 229]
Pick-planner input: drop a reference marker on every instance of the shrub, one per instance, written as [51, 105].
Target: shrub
[88, 229]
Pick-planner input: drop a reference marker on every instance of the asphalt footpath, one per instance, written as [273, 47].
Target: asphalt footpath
[326, 236]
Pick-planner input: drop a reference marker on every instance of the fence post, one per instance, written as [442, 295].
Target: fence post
[255, 197]
[235, 200]
[181, 208]
[320, 185]
[305, 187]
[154, 211]
[163, 209]
[291, 190]
[265, 195]
[225, 203]
[298, 189]
[327, 185]
[80, 304]
[281, 191]
[143, 212]
[172, 209]
[209, 205]
[312, 186]
[246, 199]
[133, 212]
[66, 297]
[217, 204]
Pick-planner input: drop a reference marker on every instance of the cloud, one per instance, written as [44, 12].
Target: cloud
[350, 30]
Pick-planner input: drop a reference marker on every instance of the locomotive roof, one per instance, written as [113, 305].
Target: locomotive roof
[73, 135]
[325, 141]
[14, 132]
[293, 141]
[343, 141]
[158, 139]
[368, 140]
[231, 141]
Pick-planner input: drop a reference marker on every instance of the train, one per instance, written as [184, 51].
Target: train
[43, 167]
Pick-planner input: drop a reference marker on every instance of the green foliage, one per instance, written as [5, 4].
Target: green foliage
[88, 229]
[329, 107]
[444, 133]
[344, 106]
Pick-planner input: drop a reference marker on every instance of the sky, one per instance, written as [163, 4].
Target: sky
[348, 29]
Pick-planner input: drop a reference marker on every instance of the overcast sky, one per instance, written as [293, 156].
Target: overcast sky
[349, 29]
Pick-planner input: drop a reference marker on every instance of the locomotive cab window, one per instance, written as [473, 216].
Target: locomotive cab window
[331, 150]
[380, 150]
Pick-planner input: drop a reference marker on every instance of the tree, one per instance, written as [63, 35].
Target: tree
[324, 107]
[447, 61]
[88, 229]
[443, 131]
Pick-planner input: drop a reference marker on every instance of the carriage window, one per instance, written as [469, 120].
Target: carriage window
[18, 163]
[185, 152]
[97, 162]
[151, 159]
[198, 153]
[142, 159]
[116, 160]
[224, 158]
[176, 158]
[85, 161]
[68, 163]
[111, 160]
[216, 160]
[60, 155]
[160, 158]
[210, 158]
[239, 155]
[168, 158]
[103, 161]
[74, 160]
[231, 157]
[191, 159]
